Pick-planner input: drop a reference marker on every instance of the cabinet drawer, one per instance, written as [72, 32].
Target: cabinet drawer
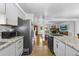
[19, 42]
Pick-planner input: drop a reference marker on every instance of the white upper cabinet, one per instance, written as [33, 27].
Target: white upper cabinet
[2, 8]
[11, 14]
[2, 13]
[2, 19]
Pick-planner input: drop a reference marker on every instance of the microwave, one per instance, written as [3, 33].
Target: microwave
[6, 35]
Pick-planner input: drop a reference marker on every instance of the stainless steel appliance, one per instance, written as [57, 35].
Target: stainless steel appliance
[51, 43]
[8, 34]
[24, 29]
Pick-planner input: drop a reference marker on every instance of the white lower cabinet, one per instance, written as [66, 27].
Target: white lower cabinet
[15, 49]
[71, 52]
[8, 51]
[19, 47]
[59, 48]
[55, 46]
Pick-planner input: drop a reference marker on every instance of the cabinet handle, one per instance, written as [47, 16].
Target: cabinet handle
[57, 45]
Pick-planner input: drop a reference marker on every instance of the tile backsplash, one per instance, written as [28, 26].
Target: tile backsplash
[4, 28]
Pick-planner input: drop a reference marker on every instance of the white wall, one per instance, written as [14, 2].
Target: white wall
[71, 25]
[36, 20]
[40, 23]
[76, 28]
[29, 16]
[62, 19]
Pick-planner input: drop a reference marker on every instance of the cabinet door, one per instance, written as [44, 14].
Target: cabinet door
[61, 49]
[55, 46]
[2, 13]
[2, 19]
[71, 52]
[19, 47]
[68, 51]
[8, 51]
[2, 8]
[11, 12]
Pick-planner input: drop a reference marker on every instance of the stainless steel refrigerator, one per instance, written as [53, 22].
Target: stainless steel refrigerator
[24, 29]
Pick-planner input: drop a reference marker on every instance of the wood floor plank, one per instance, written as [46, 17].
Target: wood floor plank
[40, 48]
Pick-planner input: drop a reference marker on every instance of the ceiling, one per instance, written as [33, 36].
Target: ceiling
[58, 10]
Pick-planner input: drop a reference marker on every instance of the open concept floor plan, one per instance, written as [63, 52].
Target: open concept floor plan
[39, 29]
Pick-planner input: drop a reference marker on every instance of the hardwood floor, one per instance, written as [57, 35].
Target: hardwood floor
[40, 48]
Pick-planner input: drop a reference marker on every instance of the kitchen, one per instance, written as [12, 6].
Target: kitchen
[15, 31]
[44, 31]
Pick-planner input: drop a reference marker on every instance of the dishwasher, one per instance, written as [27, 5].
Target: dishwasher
[50, 43]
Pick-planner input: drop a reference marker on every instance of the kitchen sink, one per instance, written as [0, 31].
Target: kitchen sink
[2, 43]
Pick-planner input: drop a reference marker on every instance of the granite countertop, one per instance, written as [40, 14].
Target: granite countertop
[9, 41]
[71, 41]
[51, 34]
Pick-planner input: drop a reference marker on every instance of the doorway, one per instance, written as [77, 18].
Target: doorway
[40, 47]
